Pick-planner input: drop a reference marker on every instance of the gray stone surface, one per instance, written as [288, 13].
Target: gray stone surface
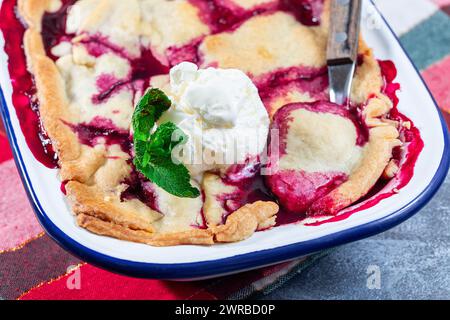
[413, 259]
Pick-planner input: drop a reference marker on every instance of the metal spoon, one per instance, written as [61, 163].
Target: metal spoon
[342, 51]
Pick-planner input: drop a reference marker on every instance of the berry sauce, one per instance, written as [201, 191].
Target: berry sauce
[139, 188]
[24, 92]
[224, 15]
[63, 187]
[54, 27]
[142, 69]
[101, 129]
[308, 12]
[188, 52]
[307, 79]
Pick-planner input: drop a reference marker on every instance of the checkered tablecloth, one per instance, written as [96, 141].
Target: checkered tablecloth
[32, 266]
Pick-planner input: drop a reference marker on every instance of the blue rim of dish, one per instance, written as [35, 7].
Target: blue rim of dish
[252, 260]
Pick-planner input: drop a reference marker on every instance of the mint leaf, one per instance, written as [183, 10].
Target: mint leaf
[153, 152]
[174, 178]
[141, 152]
[166, 137]
[148, 110]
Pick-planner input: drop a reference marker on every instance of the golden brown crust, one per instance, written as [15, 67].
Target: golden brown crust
[367, 79]
[377, 155]
[32, 10]
[105, 228]
[242, 223]
[82, 168]
[92, 201]
[91, 208]
[52, 100]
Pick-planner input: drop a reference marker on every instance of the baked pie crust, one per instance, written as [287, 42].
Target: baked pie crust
[263, 45]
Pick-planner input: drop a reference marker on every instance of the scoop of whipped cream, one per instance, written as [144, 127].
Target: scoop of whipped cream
[221, 113]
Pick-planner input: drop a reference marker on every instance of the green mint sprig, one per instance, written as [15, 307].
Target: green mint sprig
[153, 150]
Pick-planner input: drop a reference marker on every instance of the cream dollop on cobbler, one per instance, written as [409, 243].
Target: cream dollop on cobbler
[221, 113]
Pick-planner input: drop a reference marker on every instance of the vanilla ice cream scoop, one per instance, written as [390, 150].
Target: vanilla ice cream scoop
[222, 114]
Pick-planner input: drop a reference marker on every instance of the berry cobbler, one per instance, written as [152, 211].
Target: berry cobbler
[201, 121]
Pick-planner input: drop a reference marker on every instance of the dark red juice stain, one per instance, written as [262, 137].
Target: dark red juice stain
[63, 186]
[251, 187]
[308, 12]
[298, 190]
[24, 91]
[272, 85]
[139, 188]
[107, 84]
[246, 179]
[274, 79]
[54, 27]
[224, 15]
[97, 45]
[100, 128]
[147, 66]
[142, 69]
[221, 15]
[188, 52]
[389, 72]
